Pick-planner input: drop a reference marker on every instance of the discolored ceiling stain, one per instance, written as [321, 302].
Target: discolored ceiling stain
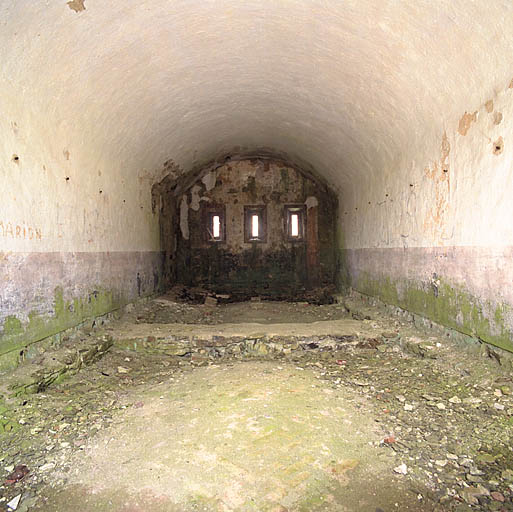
[76, 5]
[497, 118]
[466, 122]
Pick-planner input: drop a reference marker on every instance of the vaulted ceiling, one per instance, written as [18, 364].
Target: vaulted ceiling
[352, 86]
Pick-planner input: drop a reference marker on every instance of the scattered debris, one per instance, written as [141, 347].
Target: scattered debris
[457, 443]
[18, 474]
[210, 301]
[402, 469]
[13, 504]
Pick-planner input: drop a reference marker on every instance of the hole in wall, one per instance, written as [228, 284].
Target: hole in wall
[498, 146]
[67, 178]
[15, 159]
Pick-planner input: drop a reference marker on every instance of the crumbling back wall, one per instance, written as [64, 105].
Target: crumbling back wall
[277, 267]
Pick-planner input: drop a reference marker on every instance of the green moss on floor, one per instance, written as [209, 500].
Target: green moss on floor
[447, 304]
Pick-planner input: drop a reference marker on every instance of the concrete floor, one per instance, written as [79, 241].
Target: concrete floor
[362, 412]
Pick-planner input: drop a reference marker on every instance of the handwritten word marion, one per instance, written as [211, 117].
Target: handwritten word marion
[8, 229]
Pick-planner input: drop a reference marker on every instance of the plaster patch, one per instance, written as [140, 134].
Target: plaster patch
[184, 218]
[209, 180]
[497, 118]
[465, 122]
[489, 106]
[76, 5]
[195, 198]
[311, 202]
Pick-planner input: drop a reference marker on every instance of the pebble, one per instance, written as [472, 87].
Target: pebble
[440, 406]
[455, 400]
[506, 390]
[472, 400]
[402, 469]
[497, 496]
[13, 504]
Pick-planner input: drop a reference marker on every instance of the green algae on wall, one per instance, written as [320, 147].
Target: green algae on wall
[16, 336]
[447, 304]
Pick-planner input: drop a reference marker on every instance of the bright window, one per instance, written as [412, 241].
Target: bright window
[215, 225]
[255, 224]
[294, 225]
[295, 222]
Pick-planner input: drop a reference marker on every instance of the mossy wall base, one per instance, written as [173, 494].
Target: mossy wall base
[46, 294]
[461, 288]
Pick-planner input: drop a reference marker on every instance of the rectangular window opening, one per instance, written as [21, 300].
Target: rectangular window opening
[255, 224]
[216, 227]
[295, 218]
[215, 224]
[294, 225]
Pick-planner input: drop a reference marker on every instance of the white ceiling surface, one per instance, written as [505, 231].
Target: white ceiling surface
[353, 87]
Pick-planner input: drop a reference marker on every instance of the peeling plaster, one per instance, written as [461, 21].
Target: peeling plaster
[196, 198]
[210, 180]
[76, 5]
[466, 122]
[184, 218]
[311, 202]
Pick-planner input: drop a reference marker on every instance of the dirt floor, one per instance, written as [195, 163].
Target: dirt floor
[276, 407]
